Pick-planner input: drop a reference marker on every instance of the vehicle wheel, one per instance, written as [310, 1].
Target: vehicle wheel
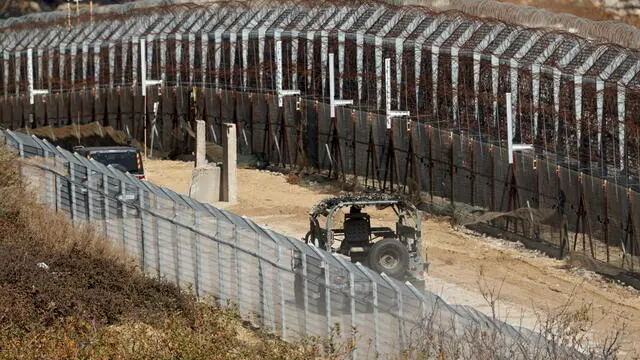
[389, 256]
[307, 237]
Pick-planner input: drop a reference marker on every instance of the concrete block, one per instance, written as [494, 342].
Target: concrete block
[201, 145]
[229, 164]
[205, 184]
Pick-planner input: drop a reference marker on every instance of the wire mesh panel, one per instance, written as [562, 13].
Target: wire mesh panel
[228, 262]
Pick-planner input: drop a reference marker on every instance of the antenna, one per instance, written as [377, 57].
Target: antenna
[511, 147]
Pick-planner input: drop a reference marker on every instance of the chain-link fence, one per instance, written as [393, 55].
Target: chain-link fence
[277, 282]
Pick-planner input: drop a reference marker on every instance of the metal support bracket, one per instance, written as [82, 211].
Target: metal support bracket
[281, 92]
[391, 114]
[333, 102]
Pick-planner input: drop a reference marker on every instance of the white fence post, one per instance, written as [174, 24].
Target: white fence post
[261, 287]
[352, 300]
[105, 188]
[195, 250]
[157, 235]
[327, 286]
[400, 312]
[221, 280]
[238, 270]
[376, 316]
[143, 244]
[72, 189]
[123, 213]
[283, 318]
[89, 195]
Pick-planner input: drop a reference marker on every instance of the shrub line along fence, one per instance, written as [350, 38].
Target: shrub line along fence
[217, 254]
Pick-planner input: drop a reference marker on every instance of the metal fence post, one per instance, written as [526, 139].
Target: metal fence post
[305, 293]
[236, 255]
[196, 252]
[261, 287]
[157, 237]
[376, 317]
[352, 295]
[105, 189]
[400, 312]
[49, 187]
[142, 230]
[327, 287]
[89, 195]
[221, 280]
[72, 191]
[58, 186]
[283, 318]
[123, 213]
[420, 296]
[174, 240]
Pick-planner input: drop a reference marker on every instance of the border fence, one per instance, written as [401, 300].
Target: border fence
[220, 255]
[573, 99]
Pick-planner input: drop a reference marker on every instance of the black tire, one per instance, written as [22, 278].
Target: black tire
[390, 257]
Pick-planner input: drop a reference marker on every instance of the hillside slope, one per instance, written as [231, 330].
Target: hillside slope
[66, 294]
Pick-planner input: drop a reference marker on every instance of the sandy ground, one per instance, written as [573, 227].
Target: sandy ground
[464, 265]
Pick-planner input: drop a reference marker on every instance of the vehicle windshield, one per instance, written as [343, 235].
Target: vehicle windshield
[127, 160]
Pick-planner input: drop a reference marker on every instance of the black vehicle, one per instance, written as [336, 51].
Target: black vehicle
[395, 252]
[124, 158]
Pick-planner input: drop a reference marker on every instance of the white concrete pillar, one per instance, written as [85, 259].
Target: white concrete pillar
[74, 53]
[360, 60]
[341, 39]
[556, 105]
[192, 52]
[178, 63]
[201, 145]
[112, 64]
[5, 80]
[61, 67]
[96, 64]
[577, 85]
[17, 61]
[135, 44]
[229, 161]
[163, 58]
[454, 83]
[495, 64]
[621, 126]
[124, 55]
[476, 85]
[294, 59]
[378, 59]
[204, 43]
[435, 53]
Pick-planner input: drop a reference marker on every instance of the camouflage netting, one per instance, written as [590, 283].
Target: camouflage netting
[322, 206]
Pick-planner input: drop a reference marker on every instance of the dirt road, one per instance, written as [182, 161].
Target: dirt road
[463, 266]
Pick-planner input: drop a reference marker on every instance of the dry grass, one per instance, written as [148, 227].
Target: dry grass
[90, 302]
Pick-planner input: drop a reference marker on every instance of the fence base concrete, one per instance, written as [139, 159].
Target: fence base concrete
[205, 184]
